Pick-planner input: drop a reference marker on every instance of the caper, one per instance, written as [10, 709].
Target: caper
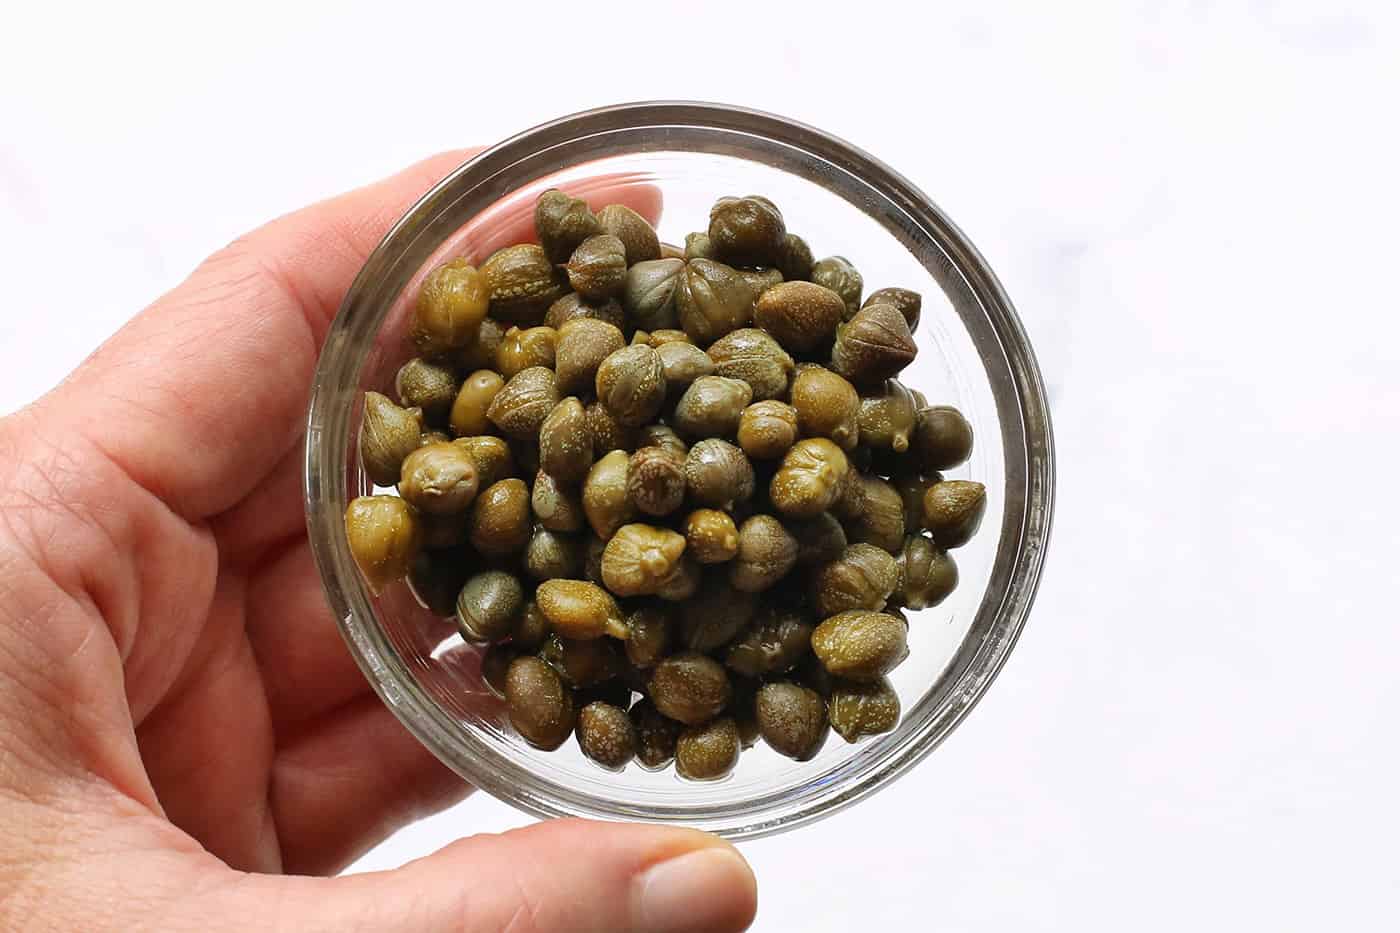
[767, 429]
[615, 692]
[649, 293]
[672, 251]
[434, 437]
[573, 306]
[639, 559]
[795, 259]
[491, 455]
[531, 628]
[648, 636]
[850, 501]
[384, 538]
[766, 553]
[751, 355]
[810, 673]
[500, 518]
[553, 554]
[388, 434]
[523, 403]
[927, 573]
[607, 434]
[605, 499]
[642, 337]
[656, 480]
[810, 478]
[451, 304]
[712, 300]
[435, 578]
[911, 488]
[562, 223]
[495, 663]
[439, 479]
[881, 518]
[942, 438]
[597, 269]
[708, 752]
[827, 406]
[631, 385]
[689, 688]
[656, 735]
[819, 539]
[803, 316]
[858, 709]
[863, 577]
[523, 283]
[480, 351]
[747, 231]
[521, 349]
[710, 536]
[718, 474]
[837, 274]
[698, 246]
[887, 416]
[791, 719]
[712, 406]
[682, 364]
[566, 442]
[715, 615]
[579, 610]
[777, 641]
[606, 735]
[488, 606]
[659, 338]
[479, 390]
[743, 709]
[909, 303]
[527, 452]
[682, 582]
[873, 345]
[583, 663]
[637, 235]
[541, 707]
[953, 511]
[443, 532]
[860, 644]
[428, 386]
[759, 280]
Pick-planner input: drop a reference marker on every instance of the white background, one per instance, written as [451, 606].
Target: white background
[1194, 206]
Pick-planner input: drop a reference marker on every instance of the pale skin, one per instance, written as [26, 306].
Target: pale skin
[185, 743]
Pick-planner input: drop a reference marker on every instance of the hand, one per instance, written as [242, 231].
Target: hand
[180, 723]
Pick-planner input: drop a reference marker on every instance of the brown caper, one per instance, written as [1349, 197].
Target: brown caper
[648, 636]
[860, 644]
[659, 338]
[802, 316]
[858, 709]
[710, 536]
[531, 628]
[911, 488]
[827, 406]
[439, 479]
[607, 433]
[927, 573]
[810, 478]
[711, 407]
[562, 223]
[708, 752]
[523, 284]
[656, 735]
[791, 719]
[388, 434]
[751, 355]
[606, 735]
[777, 641]
[767, 429]
[436, 577]
[766, 553]
[715, 614]
[489, 606]
[597, 269]
[649, 293]
[566, 442]
[573, 306]
[473, 401]
[718, 474]
[863, 577]
[639, 559]
[795, 259]
[434, 437]
[500, 518]
[671, 251]
[837, 274]
[942, 438]
[887, 416]
[953, 511]
[819, 539]
[480, 351]
[711, 300]
[451, 304]
[760, 280]
[656, 480]
[873, 345]
[554, 506]
[495, 662]
[909, 303]
[541, 707]
[682, 364]
[605, 499]
[523, 403]
[880, 520]
[698, 246]
[631, 385]
[521, 349]
[428, 386]
[689, 688]
[583, 663]
[810, 673]
[742, 708]
[747, 231]
[637, 235]
[553, 554]
[682, 582]
[491, 455]
[579, 610]
[384, 538]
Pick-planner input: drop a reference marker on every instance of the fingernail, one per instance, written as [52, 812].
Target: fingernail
[709, 890]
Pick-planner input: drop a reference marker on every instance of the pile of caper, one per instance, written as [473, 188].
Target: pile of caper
[679, 495]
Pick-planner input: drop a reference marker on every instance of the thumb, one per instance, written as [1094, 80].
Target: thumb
[561, 875]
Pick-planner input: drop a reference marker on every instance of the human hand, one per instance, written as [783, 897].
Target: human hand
[180, 722]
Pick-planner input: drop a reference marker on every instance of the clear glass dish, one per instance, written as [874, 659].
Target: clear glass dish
[973, 354]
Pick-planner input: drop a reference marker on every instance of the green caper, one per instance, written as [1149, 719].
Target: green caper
[863, 577]
[637, 235]
[810, 673]
[747, 231]
[473, 401]
[708, 752]
[531, 629]
[439, 479]
[451, 304]
[698, 246]
[682, 582]
[663, 336]
[760, 280]
[953, 511]
[819, 539]
[523, 284]
[715, 614]
[795, 259]
[605, 500]
[911, 488]
[711, 300]
[827, 406]
[541, 707]
[767, 429]
[649, 293]
[434, 437]
[583, 663]
[555, 507]
[606, 735]
[573, 306]
[521, 349]
[384, 538]
[499, 523]
[875, 344]
[631, 385]
[488, 606]
[639, 559]
[388, 434]
[710, 536]
[656, 735]
[495, 663]
[436, 577]
[479, 352]
[566, 442]
[521, 406]
[607, 434]
[791, 719]
[909, 303]
[689, 688]
[766, 553]
[777, 640]
[942, 438]
[927, 573]
[660, 435]
[837, 274]
[712, 406]
[810, 478]
[682, 364]
[860, 644]
[751, 355]
[597, 269]
[492, 456]
[648, 635]
[562, 223]
[580, 610]
[803, 316]
[672, 251]
[858, 709]
[718, 474]
[427, 386]
[553, 554]
[881, 518]
[656, 480]
[887, 416]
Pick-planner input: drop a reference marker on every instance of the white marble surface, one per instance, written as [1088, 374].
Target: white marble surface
[1193, 205]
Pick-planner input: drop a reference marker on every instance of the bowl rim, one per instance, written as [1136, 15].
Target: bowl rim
[962, 272]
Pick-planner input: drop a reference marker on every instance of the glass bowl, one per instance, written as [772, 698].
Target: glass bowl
[973, 354]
